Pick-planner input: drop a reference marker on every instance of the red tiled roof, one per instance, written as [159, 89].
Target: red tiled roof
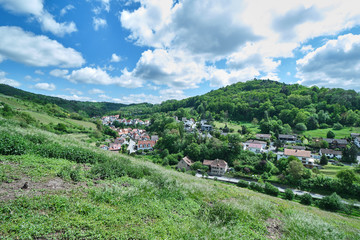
[297, 153]
[215, 163]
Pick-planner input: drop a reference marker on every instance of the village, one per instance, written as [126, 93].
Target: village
[137, 140]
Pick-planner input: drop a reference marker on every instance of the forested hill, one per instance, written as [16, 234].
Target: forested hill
[261, 99]
[90, 108]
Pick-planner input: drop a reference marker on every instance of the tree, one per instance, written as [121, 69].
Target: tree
[289, 194]
[350, 154]
[301, 127]
[306, 199]
[295, 169]
[337, 126]
[332, 202]
[324, 160]
[347, 176]
[330, 134]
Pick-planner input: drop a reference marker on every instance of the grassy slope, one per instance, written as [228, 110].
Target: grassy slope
[177, 206]
[321, 133]
[237, 127]
[26, 106]
[332, 170]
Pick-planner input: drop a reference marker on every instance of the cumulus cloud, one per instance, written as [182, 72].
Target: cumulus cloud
[90, 75]
[39, 72]
[8, 81]
[99, 23]
[75, 97]
[62, 73]
[45, 86]
[66, 9]
[73, 91]
[115, 58]
[249, 35]
[36, 9]
[335, 64]
[33, 50]
[95, 91]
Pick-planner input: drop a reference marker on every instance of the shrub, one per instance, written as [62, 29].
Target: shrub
[243, 184]
[337, 126]
[68, 172]
[323, 125]
[289, 194]
[306, 199]
[13, 144]
[324, 160]
[271, 189]
[330, 134]
[332, 202]
[256, 187]
[301, 127]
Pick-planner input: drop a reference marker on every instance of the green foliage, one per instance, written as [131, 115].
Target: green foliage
[301, 127]
[256, 187]
[271, 189]
[289, 194]
[68, 172]
[350, 153]
[338, 126]
[347, 176]
[306, 199]
[330, 134]
[332, 202]
[324, 160]
[12, 144]
[243, 184]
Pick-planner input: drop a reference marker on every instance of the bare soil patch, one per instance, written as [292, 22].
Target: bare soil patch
[274, 228]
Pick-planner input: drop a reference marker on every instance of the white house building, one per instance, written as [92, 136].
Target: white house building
[303, 155]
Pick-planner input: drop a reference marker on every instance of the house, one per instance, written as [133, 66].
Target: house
[295, 147]
[114, 146]
[206, 127]
[104, 147]
[263, 136]
[154, 138]
[354, 135]
[287, 138]
[357, 141]
[145, 145]
[336, 143]
[255, 148]
[247, 143]
[185, 163]
[216, 167]
[330, 153]
[303, 155]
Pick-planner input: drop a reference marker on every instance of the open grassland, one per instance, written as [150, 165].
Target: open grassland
[321, 133]
[85, 124]
[237, 126]
[332, 170]
[77, 192]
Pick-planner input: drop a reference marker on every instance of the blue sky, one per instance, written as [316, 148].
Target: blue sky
[154, 50]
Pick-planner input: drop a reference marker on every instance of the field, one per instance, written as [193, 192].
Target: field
[237, 126]
[78, 192]
[332, 170]
[321, 133]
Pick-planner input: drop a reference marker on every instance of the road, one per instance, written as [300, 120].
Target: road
[281, 189]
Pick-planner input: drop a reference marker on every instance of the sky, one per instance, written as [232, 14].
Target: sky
[154, 50]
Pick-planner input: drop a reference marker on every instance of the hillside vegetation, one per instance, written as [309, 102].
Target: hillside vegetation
[74, 191]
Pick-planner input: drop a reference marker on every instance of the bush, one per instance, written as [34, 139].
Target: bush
[243, 184]
[330, 134]
[256, 187]
[13, 144]
[301, 127]
[271, 189]
[324, 126]
[337, 126]
[289, 194]
[324, 160]
[68, 172]
[332, 202]
[306, 199]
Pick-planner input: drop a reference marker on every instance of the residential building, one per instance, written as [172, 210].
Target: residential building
[354, 135]
[206, 127]
[330, 153]
[185, 163]
[303, 155]
[255, 148]
[114, 146]
[287, 138]
[263, 136]
[154, 138]
[295, 147]
[336, 143]
[357, 141]
[216, 167]
[247, 143]
[145, 145]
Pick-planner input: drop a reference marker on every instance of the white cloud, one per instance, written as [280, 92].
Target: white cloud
[90, 75]
[75, 97]
[73, 91]
[99, 23]
[39, 72]
[45, 86]
[105, 5]
[66, 9]
[249, 35]
[335, 64]
[36, 9]
[61, 73]
[95, 91]
[8, 81]
[115, 58]
[33, 50]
